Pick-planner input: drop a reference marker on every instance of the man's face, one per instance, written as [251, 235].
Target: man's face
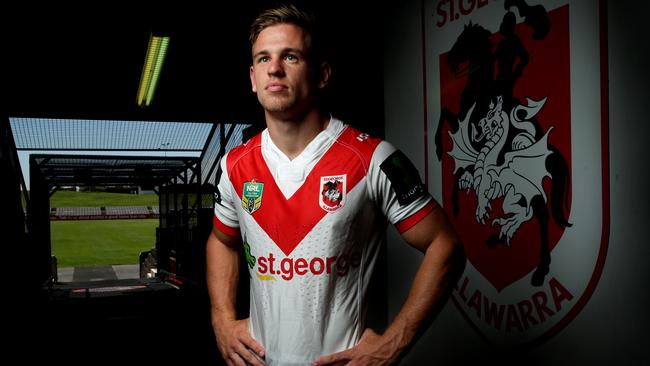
[280, 74]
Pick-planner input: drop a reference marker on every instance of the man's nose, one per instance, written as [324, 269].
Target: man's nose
[276, 68]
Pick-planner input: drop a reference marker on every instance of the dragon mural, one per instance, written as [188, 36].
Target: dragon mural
[518, 178]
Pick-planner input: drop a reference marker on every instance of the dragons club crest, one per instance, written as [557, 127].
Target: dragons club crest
[332, 193]
[510, 163]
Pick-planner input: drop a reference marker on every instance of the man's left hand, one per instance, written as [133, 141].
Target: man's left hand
[372, 349]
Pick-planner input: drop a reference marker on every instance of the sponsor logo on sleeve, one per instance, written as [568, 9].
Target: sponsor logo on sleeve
[404, 178]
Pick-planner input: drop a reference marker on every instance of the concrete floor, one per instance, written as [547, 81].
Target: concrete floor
[98, 273]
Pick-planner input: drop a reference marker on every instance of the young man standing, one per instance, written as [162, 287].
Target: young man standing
[309, 199]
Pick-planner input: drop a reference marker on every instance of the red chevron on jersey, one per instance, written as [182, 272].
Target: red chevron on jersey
[288, 221]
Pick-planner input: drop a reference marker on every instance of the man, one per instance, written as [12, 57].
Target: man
[308, 199]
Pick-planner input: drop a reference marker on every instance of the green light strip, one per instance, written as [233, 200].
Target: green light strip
[151, 71]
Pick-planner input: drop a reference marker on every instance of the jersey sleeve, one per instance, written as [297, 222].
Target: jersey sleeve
[396, 187]
[225, 209]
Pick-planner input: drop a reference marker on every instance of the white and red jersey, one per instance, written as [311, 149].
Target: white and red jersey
[312, 228]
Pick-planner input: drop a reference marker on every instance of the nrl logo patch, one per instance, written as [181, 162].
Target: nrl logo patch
[332, 192]
[251, 199]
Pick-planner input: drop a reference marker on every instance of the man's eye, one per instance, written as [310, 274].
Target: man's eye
[263, 59]
[291, 58]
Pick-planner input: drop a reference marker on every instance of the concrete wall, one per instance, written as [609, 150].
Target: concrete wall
[613, 325]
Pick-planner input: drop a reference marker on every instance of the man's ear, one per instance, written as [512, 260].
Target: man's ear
[252, 75]
[325, 71]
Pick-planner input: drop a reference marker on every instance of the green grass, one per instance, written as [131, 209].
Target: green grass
[99, 199]
[101, 242]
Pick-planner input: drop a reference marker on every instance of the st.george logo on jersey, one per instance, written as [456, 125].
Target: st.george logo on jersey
[332, 192]
[251, 199]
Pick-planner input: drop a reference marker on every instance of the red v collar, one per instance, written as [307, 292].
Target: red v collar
[288, 221]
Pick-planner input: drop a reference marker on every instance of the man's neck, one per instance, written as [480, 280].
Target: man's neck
[291, 136]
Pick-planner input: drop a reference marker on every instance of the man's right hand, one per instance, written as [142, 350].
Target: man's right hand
[236, 345]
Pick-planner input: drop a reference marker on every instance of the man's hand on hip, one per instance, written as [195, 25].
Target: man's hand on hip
[236, 344]
[372, 349]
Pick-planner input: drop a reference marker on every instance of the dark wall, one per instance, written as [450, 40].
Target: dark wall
[71, 62]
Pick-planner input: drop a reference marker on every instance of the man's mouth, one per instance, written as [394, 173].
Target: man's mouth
[276, 87]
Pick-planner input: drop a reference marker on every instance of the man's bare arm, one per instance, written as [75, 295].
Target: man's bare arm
[443, 260]
[232, 335]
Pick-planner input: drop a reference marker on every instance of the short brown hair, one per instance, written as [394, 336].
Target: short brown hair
[290, 14]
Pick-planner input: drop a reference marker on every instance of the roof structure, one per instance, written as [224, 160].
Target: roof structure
[74, 170]
[100, 135]
[71, 152]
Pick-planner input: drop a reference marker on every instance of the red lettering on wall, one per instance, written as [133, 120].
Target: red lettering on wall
[540, 300]
[493, 313]
[466, 10]
[559, 293]
[463, 287]
[526, 313]
[475, 302]
[519, 315]
[513, 319]
[451, 10]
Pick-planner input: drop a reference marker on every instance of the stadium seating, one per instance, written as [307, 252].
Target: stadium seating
[103, 213]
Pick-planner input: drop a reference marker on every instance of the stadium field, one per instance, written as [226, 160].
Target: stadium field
[101, 242]
[99, 199]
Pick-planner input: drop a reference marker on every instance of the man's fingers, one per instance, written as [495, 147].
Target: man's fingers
[259, 358]
[236, 359]
[248, 356]
[252, 344]
[334, 358]
[249, 341]
[237, 346]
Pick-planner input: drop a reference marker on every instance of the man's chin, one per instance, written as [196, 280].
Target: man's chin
[277, 107]
[277, 102]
